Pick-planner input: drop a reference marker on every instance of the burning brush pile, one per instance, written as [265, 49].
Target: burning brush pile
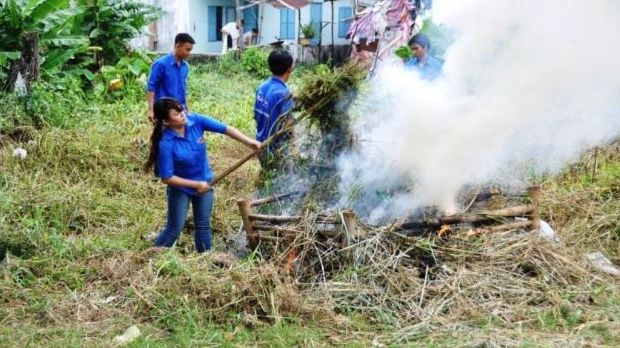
[323, 102]
[428, 272]
[319, 244]
[431, 274]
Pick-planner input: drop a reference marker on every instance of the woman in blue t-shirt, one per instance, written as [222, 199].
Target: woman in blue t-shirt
[179, 154]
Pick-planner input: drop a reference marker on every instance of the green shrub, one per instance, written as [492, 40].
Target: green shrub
[56, 106]
[13, 114]
[132, 69]
[228, 64]
[254, 61]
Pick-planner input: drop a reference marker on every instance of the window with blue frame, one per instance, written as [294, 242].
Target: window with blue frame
[345, 14]
[230, 14]
[219, 16]
[215, 23]
[250, 18]
[316, 18]
[287, 24]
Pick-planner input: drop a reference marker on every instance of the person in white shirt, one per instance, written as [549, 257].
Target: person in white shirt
[249, 38]
[230, 36]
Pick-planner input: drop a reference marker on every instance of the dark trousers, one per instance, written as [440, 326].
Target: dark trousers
[178, 202]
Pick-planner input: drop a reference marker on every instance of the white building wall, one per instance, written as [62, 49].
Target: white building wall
[175, 20]
[199, 24]
[269, 19]
[327, 17]
[192, 17]
[269, 24]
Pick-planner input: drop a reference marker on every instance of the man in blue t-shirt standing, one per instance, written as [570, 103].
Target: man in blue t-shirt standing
[168, 76]
[272, 106]
[426, 65]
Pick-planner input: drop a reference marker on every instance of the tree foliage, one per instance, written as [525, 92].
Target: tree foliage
[52, 19]
[75, 40]
[111, 24]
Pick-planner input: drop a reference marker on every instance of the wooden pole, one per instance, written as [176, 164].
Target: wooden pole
[234, 167]
[349, 230]
[249, 156]
[153, 37]
[300, 50]
[535, 193]
[272, 228]
[245, 209]
[350, 223]
[333, 44]
[239, 14]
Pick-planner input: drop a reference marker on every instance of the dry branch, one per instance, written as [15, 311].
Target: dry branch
[276, 219]
[502, 227]
[262, 227]
[520, 210]
[273, 198]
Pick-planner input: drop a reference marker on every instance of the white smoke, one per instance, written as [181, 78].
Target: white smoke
[526, 87]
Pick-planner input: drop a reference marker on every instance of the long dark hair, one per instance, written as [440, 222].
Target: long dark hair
[161, 110]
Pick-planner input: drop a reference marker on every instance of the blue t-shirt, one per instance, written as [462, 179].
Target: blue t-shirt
[429, 71]
[272, 100]
[186, 157]
[169, 79]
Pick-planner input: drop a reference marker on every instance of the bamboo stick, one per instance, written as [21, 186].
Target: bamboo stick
[245, 210]
[276, 239]
[287, 128]
[249, 156]
[275, 228]
[234, 167]
[327, 233]
[274, 218]
[502, 227]
[273, 198]
[267, 228]
[519, 210]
